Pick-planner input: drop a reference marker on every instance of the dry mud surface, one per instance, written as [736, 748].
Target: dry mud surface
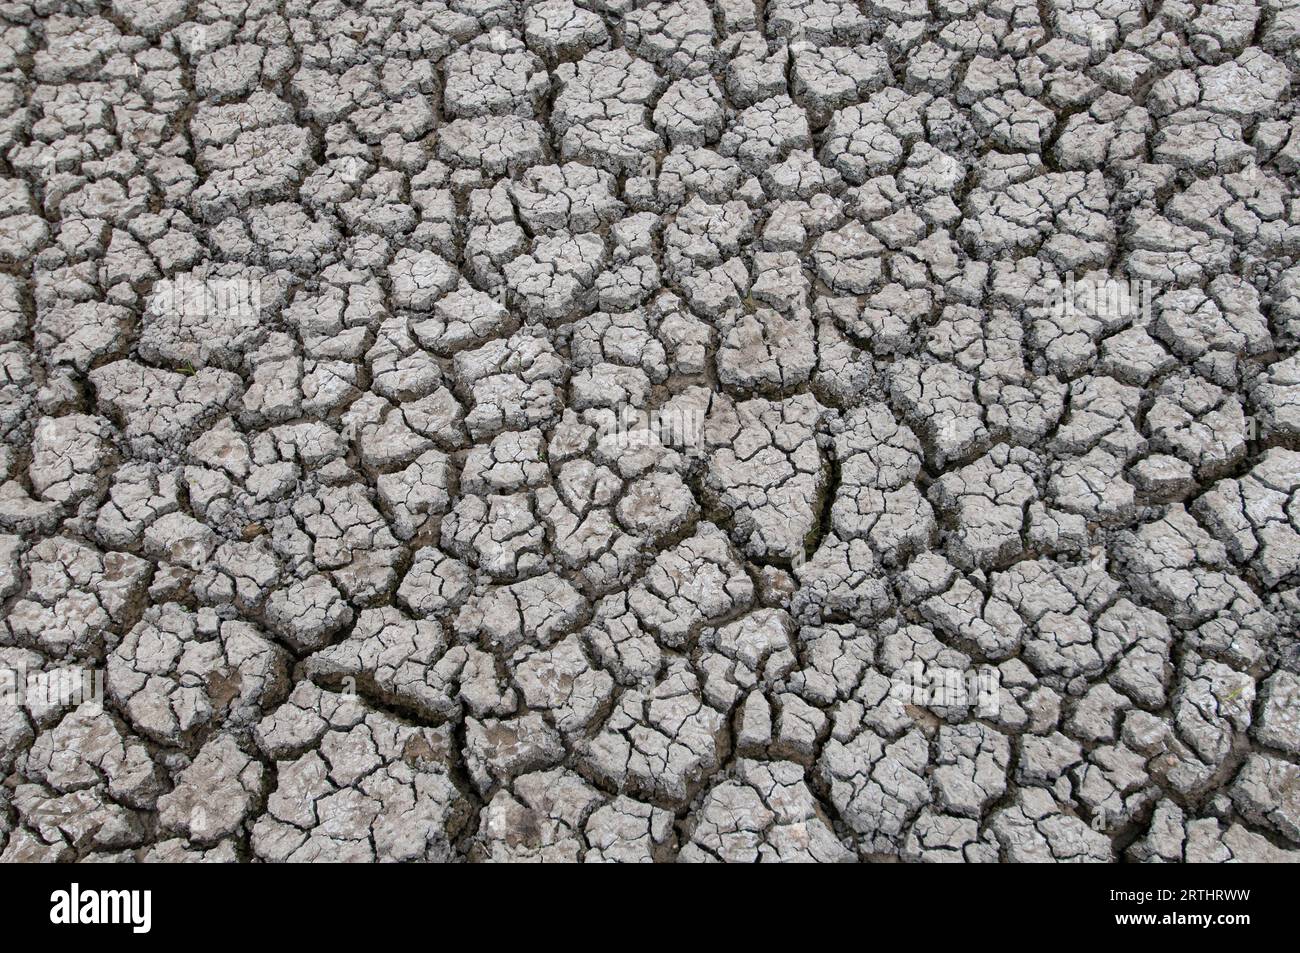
[805, 430]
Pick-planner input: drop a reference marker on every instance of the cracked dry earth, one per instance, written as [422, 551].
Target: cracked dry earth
[325, 325]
